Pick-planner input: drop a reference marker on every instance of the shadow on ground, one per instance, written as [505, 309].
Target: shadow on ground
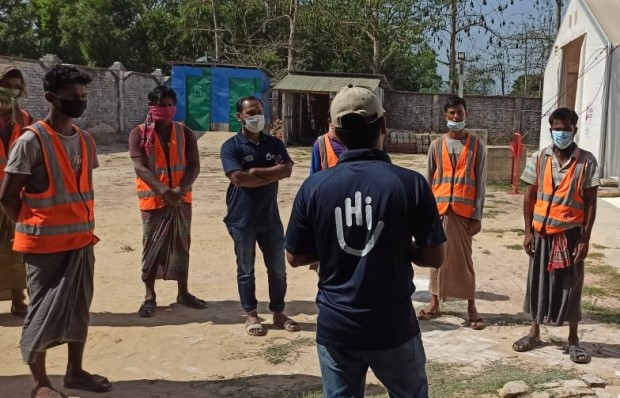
[271, 386]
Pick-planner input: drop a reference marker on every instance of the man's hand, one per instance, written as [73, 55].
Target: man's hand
[581, 249]
[473, 227]
[528, 243]
[173, 197]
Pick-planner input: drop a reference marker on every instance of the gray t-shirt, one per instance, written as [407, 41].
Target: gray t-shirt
[455, 147]
[26, 157]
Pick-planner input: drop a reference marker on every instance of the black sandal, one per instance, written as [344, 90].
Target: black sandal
[192, 302]
[147, 308]
[526, 343]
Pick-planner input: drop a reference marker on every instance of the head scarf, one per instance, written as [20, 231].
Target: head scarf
[9, 100]
[147, 134]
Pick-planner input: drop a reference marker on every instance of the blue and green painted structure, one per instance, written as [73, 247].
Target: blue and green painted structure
[207, 93]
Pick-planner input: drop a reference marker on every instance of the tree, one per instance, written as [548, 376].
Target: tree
[527, 87]
[460, 19]
[16, 35]
[479, 81]
[380, 37]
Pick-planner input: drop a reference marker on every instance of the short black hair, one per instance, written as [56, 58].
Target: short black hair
[564, 114]
[356, 134]
[160, 92]
[239, 104]
[452, 101]
[61, 76]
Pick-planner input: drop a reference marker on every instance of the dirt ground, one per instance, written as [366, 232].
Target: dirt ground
[207, 353]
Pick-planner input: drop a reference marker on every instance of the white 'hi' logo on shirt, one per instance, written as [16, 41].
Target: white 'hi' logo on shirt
[359, 221]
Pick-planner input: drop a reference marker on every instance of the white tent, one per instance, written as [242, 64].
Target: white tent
[583, 73]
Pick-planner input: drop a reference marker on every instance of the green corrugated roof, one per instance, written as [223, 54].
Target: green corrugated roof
[324, 84]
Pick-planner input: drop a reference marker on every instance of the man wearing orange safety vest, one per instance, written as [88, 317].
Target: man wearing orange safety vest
[456, 170]
[559, 210]
[48, 192]
[166, 161]
[12, 120]
[326, 151]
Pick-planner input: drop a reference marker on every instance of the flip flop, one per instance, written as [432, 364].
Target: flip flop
[257, 326]
[95, 383]
[192, 302]
[289, 325]
[526, 343]
[477, 324]
[147, 308]
[578, 354]
[50, 393]
[427, 316]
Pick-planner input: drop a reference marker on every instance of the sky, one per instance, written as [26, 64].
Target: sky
[521, 12]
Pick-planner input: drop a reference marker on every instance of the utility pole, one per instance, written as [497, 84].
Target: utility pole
[215, 31]
[453, 20]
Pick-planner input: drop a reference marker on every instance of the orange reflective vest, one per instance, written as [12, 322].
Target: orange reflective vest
[326, 152]
[4, 152]
[455, 187]
[562, 207]
[62, 217]
[168, 169]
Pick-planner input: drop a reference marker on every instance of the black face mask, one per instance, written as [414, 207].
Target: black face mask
[71, 108]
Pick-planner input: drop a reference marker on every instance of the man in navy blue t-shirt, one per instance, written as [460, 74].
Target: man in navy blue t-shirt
[359, 219]
[255, 162]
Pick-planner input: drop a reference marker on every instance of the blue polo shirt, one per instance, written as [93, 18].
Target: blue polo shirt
[249, 207]
[360, 218]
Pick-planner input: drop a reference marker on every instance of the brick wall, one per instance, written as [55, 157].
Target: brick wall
[117, 99]
[501, 116]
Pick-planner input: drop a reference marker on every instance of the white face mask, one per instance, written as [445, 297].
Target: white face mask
[254, 124]
[456, 126]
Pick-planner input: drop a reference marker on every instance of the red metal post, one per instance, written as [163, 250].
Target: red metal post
[516, 149]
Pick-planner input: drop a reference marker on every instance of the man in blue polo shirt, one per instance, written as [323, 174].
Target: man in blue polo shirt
[359, 219]
[254, 162]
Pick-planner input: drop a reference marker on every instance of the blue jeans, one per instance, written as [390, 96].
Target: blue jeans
[271, 242]
[400, 369]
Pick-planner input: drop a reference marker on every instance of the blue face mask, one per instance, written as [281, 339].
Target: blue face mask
[561, 139]
[456, 126]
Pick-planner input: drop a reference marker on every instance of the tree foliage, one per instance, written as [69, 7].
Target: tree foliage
[362, 36]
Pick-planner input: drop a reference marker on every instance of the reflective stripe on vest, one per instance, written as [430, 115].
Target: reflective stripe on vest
[562, 207]
[168, 170]
[326, 152]
[4, 152]
[455, 186]
[62, 217]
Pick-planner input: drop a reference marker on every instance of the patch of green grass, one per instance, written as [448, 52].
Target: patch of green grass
[316, 394]
[517, 231]
[127, 248]
[592, 310]
[445, 381]
[486, 252]
[610, 278]
[492, 213]
[514, 247]
[287, 352]
[599, 247]
[505, 187]
[593, 291]
[596, 256]
[499, 236]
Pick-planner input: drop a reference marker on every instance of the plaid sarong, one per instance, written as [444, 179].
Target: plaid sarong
[166, 240]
